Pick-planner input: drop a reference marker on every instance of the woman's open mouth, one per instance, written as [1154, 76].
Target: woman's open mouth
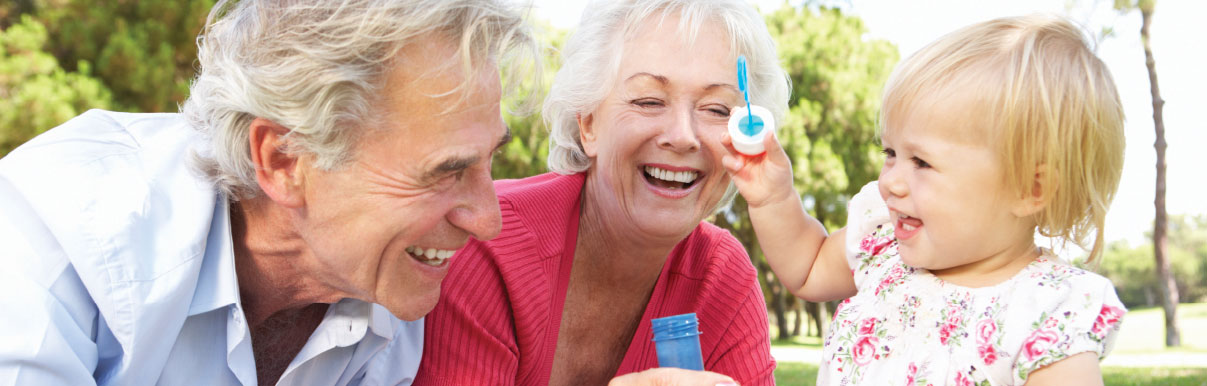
[669, 179]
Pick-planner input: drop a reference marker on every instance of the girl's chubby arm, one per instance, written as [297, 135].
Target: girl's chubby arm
[1080, 369]
[810, 264]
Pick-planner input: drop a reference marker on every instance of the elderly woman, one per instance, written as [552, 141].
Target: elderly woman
[590, 254]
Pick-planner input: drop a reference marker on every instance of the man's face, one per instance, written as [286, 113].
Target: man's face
[382, 227]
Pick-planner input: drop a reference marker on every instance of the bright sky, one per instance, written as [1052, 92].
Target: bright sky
[1180, 56]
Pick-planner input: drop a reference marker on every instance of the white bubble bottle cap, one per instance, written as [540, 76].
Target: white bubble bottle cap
[748, 128]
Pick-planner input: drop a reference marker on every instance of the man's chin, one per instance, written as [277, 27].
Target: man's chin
[412, 308]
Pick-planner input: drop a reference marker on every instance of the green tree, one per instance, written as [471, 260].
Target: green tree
[1133, 270]
[525, 155]
[35, 92]
[830, 131]
[144, 51]
[1169, 289]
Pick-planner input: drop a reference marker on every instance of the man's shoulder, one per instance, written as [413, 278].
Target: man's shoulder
[114, 185]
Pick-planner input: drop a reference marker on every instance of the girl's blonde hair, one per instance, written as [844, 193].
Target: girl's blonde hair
[1050, 106]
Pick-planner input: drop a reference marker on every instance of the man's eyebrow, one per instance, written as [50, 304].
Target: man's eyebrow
[453, 165]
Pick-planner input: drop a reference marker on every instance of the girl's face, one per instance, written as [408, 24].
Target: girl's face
[953, 212]
[655, 139]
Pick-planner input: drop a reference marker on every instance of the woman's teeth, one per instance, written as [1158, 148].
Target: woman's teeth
[430, 256]
[686, 177]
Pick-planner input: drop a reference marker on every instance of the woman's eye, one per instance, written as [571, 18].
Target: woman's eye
[646, 102]
[920, 163]
[719, 111]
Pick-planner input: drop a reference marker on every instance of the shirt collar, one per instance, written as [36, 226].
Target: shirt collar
[217, 285]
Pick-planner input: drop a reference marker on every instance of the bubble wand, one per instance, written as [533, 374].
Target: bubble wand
[747, 124]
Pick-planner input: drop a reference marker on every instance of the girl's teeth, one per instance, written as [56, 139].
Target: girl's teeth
[907, 227]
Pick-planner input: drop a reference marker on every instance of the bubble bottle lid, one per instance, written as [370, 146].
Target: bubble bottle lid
[748, 125]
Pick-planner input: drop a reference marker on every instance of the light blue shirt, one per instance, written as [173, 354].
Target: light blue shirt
[118, 269]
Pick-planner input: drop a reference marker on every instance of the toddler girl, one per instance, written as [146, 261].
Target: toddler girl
[990, 134]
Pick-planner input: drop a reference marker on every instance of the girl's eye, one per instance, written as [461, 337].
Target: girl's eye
[921, 164]
[889, 153]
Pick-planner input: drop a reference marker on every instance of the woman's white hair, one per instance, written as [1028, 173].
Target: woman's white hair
[317, 67]
[592, 55]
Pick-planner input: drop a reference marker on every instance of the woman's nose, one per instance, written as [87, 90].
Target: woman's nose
[679, 135]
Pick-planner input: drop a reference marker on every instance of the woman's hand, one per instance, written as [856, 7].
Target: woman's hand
[670, 376]
[763, 179]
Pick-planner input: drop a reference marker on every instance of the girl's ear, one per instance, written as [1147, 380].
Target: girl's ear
[1042, 190]
[586, 134]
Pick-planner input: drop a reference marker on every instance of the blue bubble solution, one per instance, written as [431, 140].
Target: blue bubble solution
[677, 341]
[751, 125]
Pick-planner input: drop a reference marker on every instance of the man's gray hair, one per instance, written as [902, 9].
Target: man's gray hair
[317, 67]
[591, 60]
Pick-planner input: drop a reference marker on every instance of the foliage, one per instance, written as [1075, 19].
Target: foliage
[529, 147]
[143, 50]
[35, 92]
[1133, 270]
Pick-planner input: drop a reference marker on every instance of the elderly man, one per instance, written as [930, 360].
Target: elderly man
[291, 226]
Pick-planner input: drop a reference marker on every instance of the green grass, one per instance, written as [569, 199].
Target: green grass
[795, 373]
[1143, 332]
[1162, 376]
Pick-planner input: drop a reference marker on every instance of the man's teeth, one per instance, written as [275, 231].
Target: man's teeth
[430, 256]
[667, 175]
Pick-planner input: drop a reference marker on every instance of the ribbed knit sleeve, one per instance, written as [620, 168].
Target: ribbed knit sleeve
[744, 348]
[469, 338]
[494, 323]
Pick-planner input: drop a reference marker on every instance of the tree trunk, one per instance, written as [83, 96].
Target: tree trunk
[796, 322]
[778, 306]
[1169, 289]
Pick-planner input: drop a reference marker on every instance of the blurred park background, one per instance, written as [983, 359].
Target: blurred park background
[59, 58]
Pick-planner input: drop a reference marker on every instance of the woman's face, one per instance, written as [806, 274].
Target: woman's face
[655, 139]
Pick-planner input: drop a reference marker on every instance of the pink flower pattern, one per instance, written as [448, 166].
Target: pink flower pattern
[927, 330]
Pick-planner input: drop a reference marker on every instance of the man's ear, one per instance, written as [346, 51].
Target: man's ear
[586, 133]
[277, 172]
[1035, 199]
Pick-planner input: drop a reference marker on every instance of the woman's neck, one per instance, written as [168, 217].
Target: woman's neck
[609, 244]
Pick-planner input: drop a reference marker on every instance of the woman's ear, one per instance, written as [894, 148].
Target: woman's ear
[277, 171]
[1036, 198]
[586, 134]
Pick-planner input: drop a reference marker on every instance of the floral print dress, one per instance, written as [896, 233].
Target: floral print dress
[906, 326]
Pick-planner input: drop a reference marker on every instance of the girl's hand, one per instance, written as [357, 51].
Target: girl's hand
[763, 179]
[670, 376]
